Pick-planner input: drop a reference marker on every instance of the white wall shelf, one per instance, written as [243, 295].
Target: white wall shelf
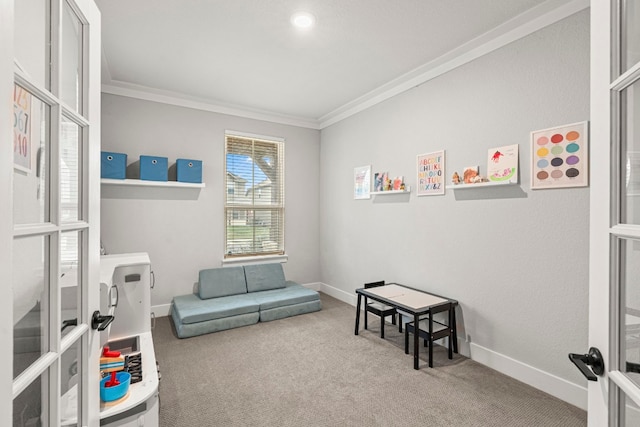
[143, 183]
[405, 191]
[480, 185]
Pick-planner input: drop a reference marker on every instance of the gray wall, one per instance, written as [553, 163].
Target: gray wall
[182, 229]
[516, 259]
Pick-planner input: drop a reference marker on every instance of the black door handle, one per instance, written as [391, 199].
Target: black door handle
[100, 322]
[593, 359]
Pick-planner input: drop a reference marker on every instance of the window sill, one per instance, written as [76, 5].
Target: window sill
[248, 260]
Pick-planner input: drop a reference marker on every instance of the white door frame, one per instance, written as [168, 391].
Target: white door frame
[599, 205]
[6, 225]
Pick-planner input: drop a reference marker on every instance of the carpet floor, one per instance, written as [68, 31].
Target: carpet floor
[311, 370]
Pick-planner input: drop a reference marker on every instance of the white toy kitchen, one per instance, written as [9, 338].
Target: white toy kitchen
[125, 293]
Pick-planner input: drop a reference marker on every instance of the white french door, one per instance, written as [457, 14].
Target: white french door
[55, 211]
[614, 311]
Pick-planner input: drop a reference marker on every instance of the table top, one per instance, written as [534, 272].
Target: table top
[413, 299]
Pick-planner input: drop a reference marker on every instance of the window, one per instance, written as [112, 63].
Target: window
[254, 205]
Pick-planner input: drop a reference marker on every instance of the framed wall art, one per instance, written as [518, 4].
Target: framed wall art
[362, 182]
[431, 174]
[560, 157]
[502, 164]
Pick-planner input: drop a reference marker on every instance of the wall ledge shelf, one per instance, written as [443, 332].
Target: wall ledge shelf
[406, 191]
[480, 185]
[143, 183]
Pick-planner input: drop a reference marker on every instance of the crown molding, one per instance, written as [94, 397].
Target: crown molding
[527, 23]
[164, 97]
[534, 19]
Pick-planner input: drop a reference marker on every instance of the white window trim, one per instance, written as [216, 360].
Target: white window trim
[253, 259]
[262, 259]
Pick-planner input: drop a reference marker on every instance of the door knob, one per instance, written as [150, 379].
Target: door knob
[593, 359]
[100, 322]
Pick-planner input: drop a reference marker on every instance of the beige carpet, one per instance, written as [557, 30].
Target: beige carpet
[311, 370]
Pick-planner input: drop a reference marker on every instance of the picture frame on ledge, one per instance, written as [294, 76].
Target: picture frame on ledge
[362, 182]
[430, 173]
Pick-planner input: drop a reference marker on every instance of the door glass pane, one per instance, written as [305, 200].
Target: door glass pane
[30, 158]
[630, 172]
[631, 413]
[70, 276]
[69, 385]
[31, 39]
[630, 34]
[30, 301]
[71, 64]
[31, 406]
[70, 170]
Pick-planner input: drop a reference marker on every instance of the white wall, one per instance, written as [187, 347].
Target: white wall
[182, 230]
[516, 259]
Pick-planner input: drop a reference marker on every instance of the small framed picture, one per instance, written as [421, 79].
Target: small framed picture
[430, 169]
[362, 182]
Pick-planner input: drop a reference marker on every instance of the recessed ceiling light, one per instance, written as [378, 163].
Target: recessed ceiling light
[303, 20]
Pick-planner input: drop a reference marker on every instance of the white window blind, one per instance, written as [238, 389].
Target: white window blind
[254, 204]
[70, 181]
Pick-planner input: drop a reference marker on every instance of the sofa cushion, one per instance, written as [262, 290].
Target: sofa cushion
[208, 326]
[290, 295]
[262, 277]
[191, 309]
[289, 310]
[221, 282]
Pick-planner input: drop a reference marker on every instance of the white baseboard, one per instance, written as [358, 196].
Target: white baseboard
[555, 386]
[161, 310]
[338, 294]
[551, 384]
[315, 286]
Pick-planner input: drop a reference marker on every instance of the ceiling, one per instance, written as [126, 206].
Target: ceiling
[245, 56]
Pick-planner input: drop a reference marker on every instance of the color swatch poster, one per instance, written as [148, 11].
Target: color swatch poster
[431, 174]
[560, 157]
[502, 164]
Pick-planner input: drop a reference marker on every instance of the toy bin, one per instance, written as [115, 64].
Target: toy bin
[113, 165]
[186, 170]
[149, 168]
[109, 394]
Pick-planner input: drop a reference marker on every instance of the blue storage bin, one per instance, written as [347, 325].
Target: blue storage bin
[113, 165]
[153, 168]
[188, 170]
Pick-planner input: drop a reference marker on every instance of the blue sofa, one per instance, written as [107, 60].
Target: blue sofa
[231, 297]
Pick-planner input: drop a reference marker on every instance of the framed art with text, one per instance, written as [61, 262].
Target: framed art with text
[430, 177]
